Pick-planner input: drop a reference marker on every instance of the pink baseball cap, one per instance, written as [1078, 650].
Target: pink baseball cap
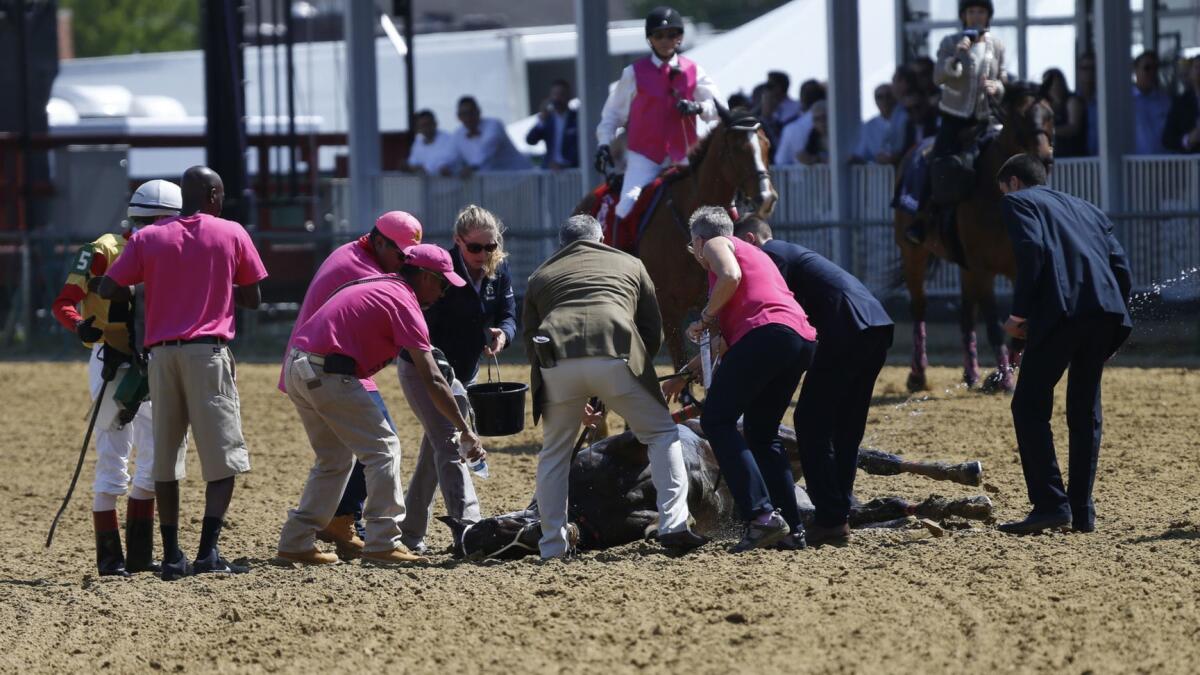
[401, 227]
[435, 259]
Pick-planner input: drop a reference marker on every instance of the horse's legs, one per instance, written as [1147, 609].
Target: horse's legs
[967, 327]
[914, 259]
[1002, 378]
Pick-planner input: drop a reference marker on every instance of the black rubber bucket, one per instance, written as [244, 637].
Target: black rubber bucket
[499, 406]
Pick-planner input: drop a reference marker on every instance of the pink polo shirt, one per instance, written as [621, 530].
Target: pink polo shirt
[349, 262]
[190, 266]
[369, 322]
[761, 298]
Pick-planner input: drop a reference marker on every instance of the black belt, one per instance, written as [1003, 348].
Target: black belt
[205, 340]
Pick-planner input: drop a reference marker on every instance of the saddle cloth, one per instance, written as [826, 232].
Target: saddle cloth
[624, 234]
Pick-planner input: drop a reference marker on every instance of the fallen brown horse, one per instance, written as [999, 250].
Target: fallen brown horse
[612, 498]
[733, 158]
[987, 251]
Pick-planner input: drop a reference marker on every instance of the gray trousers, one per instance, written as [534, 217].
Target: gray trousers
[343, 423]
[438, 463]
[568, 386]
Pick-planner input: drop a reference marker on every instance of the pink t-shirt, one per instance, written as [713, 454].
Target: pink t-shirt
[348, 262]
[761, 298]
[369, 322]
[190, 266]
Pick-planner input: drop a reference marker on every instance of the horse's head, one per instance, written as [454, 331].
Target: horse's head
[1032, 120]
[742, 151]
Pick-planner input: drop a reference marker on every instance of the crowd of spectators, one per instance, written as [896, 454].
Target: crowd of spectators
[1166, 115]
[1166, 120]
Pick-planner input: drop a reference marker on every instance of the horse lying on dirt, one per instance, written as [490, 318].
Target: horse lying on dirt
[612, 499]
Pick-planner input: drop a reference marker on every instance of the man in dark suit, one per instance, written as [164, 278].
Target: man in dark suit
[853, 336]
[1182, 131]
[558, 126]
[1070, 303]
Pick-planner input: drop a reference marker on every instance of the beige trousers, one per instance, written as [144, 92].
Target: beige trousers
[343, 423]
[568, 386]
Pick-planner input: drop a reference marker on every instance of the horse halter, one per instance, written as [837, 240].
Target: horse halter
[751, 125]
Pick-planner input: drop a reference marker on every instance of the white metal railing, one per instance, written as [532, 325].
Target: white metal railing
[1161, 228]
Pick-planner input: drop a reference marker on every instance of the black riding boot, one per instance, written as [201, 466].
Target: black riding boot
[139, 536]
[110, 561]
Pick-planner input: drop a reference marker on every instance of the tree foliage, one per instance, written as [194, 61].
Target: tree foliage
[722, 14]
[108, 27]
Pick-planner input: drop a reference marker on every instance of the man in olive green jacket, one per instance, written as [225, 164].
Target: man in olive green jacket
[592, 328]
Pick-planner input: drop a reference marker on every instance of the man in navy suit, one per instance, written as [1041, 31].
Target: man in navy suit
[1070, 303]
[853, 336]
[558, 126]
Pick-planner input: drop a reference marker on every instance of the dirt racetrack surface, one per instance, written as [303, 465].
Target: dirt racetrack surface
[1123, 599]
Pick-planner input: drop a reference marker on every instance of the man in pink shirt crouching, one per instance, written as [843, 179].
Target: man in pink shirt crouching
[357, 332]
[381, 251]
[195, 267]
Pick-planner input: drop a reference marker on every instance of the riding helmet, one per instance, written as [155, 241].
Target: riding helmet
[986, 4]
[156, 198]
[663, 17]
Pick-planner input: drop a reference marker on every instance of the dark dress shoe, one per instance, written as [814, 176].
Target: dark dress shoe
[837, 535]
[1036, 522]
[682, 541]
[1083, 527]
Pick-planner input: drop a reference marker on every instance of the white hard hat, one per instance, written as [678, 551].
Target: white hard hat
[156, 198]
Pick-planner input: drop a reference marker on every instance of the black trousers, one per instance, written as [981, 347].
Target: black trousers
[832, 417]
[1078, 347]
[950, 131]
[757, 378]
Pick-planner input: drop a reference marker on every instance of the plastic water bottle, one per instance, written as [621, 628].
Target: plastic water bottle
[479, 467]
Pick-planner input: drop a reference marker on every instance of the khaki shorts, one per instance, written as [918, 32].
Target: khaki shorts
[193, 385]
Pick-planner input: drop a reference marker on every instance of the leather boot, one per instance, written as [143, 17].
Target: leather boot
[340, 532]
[139, 538]
[110, 560]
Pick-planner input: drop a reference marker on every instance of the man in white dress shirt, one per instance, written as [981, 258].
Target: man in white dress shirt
[433, 150]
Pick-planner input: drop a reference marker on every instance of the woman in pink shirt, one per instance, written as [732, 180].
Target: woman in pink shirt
[769, 344]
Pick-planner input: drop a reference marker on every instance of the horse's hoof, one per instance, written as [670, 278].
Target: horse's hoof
[997, 382]
[917, 382]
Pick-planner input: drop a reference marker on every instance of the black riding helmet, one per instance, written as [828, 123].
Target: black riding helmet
[986, 4]
[663, 17]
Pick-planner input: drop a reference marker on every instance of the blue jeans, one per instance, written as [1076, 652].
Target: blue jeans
[757, 378]
[356, 490]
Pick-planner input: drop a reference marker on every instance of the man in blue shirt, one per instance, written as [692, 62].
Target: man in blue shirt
[1151, 105]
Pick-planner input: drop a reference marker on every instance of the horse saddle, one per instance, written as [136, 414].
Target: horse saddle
[625, 233]
[953, 177]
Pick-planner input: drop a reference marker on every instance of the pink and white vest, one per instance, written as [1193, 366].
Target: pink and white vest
[655, 128]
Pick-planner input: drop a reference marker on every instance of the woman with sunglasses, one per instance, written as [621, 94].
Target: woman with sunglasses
[478, 319]
[770, 344]
[656, 101]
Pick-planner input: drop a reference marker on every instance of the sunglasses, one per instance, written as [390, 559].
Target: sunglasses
[667, 34]
[473, 247]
